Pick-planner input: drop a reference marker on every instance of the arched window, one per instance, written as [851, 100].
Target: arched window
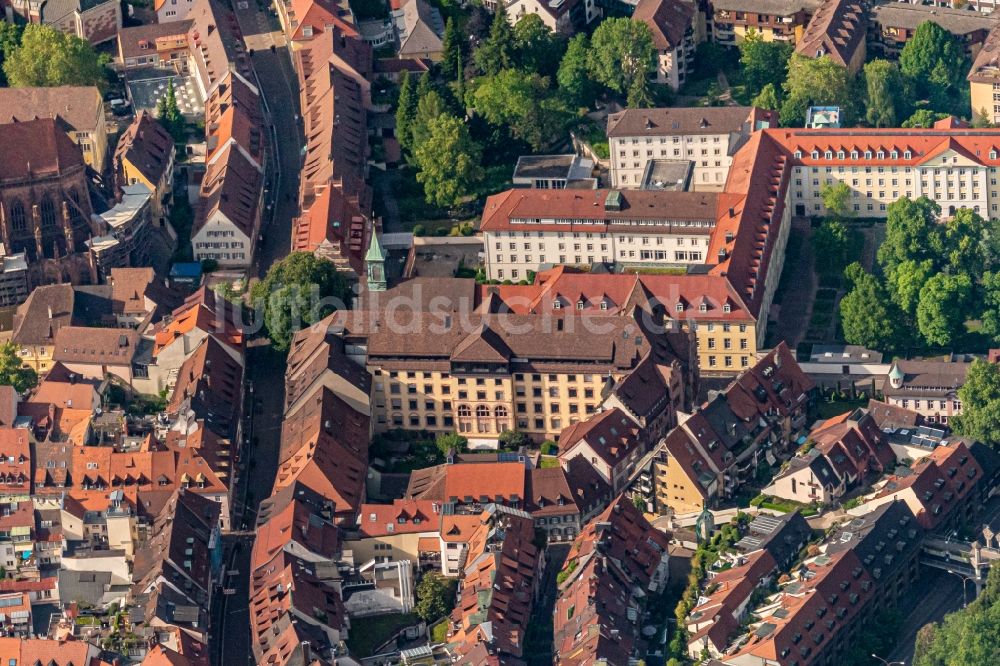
[17, 216]
[483, 422]
[500, 412]
[48, 212]
[74, 210]
[463, 410]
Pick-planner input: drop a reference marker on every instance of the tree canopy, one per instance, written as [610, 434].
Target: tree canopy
[934, 60]
[11, 372]
[866, 315]
[969, 637]
[888, 94]
[524, 103]
[538, 49]
[943, 308]
[298, 291]
[47, 57]
[449, 161]
[815, 82]
[574, 77]
[980, 396]
[923, 118]
[622, 56]
[435, 596]
[496, 52]
[764, 63]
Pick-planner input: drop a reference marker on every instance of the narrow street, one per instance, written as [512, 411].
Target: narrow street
[265, 368]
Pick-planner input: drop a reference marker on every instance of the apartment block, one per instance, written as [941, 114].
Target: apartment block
[708, 137]
[774, 20]
[711, 454]
[984, 79]
[473, 364]
[894, 23]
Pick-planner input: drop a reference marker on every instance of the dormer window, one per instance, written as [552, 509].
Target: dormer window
[727, 308]
[604, 305]
[854, 154]
[880, 155]
[907, 154]
[828, 155]
[868, 154]
[815, 154]
[798, 154]
[840, 154]
[703, 308]
[557, 304]
[579, 304]
[993, 154]
[894, 154]
[680, 307]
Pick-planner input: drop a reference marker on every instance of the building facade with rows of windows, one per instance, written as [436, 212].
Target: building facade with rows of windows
[487, 368]
[707, 137]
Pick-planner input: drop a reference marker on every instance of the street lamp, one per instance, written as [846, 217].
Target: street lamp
[965, 579]
[888, 663]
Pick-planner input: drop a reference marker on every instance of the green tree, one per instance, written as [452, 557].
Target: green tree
[991, 305]
[837, 200]
[574, 77]
[943, 307]
[866, 314]
[537, 48]
[429, 107]
[435, 597]
[11, 372]
[831, 242]
[905, 282]
[622, 56]
[424, 85]
[449, 161]
[512, 440]
[451, 50]
[815, 82]
[48, 57]
[524, 103]
[446, 442]
[887, 93]
[970, 243]
[764, 63]
[497, 51]
[169, 114]
[299, 289]
[980, 396]
[911, 232]
[934, 60]
[981, 119]
[969, 637]
[406, 111]
[924, 118]
[10, 41]
[768, 98]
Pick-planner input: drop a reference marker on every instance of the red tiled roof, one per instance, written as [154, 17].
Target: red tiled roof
[401, 517]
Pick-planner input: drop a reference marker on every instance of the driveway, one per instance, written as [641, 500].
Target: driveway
[797, 288]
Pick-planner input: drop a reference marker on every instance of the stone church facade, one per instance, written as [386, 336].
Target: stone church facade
[45, 208]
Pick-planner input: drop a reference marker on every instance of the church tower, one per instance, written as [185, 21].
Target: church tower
[375, 264]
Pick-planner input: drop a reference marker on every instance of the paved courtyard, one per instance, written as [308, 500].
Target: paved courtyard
[147, 87]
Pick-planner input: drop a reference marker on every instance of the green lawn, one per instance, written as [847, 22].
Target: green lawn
[548, 462]
[827, 410]
[439, 632]
[368, 633]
